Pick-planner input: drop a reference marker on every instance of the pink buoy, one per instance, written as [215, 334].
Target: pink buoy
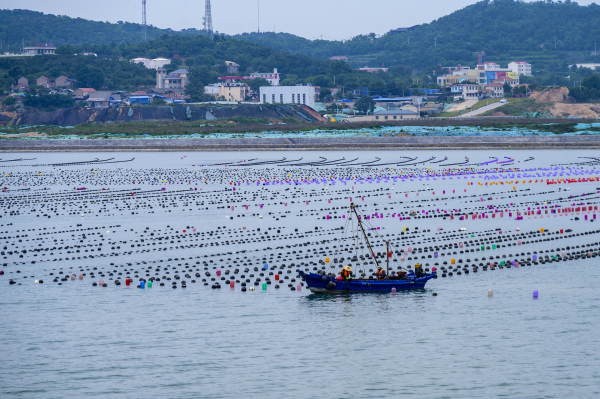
[232, 284]
[218, 273]
[299, 287]
[100, 282]
[393, 291]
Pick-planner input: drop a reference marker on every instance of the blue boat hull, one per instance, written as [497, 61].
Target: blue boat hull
[320, 284]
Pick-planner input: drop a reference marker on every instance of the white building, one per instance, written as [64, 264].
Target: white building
[273, 78]
[304, 95]
[40, 49]
[151, 64]
[520, 68]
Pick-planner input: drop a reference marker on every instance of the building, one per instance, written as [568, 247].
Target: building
[511, 82]
[272, 78]
[481, 58]
[400, 31]
[470, 91]
[44, 81]
[103, 98]
[40, 49]
[151, 64]
[591, 66]
[232, 67]
[63, 81]
[23, 82]
[338, 58]
[234, 92]
[83, 92]
[520, 68]
[494, 90]
[141, 100]
[174, 81]
[212, 90]
[372, 70]
[305, 95]
[393, 115]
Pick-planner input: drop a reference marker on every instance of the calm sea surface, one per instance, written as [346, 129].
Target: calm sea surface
[75, 340]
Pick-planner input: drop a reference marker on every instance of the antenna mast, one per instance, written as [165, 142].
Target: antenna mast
[144, 29]
[208, 26]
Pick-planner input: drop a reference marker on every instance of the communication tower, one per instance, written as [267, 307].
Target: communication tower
[208, 26]
[144, 28]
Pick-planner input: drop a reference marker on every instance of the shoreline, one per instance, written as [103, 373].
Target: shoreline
[303, 144]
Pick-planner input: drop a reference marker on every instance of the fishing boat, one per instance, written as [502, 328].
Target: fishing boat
[322, 283]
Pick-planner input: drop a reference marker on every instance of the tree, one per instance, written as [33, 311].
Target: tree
[256, 84]
[365, 104]
[325, 94]
[198, 78]
[507, 89]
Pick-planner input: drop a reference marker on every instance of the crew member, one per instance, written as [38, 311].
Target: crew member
[346, 273]
[419, 270]
[381, 275]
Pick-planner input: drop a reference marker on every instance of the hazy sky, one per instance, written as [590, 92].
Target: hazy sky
[307, 18]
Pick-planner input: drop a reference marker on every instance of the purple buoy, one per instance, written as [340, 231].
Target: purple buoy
[535, 294]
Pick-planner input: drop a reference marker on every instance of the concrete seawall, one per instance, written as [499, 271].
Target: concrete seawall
[302, 143]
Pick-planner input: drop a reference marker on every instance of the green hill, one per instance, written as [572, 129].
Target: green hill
[34, 27]
[547, 34]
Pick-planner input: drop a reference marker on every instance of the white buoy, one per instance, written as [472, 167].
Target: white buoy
[37, 282]
[490, 292]
[251, 288]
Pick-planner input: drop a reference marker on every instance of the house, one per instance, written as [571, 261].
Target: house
[43, 81]
[394, 115]
[470, 91]
[431, 108]
[511, 82]
[232, 67]
[338, 58]
[63, 81]
[520, 68]
[23, 82]
[495, 90]
[305, 95]
[235, 92]
[83, 92]
[103, 98]
[174, 81]
[409, 107]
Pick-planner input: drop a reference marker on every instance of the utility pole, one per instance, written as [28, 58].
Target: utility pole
[436, 42]
[144, 29]
[258, 15]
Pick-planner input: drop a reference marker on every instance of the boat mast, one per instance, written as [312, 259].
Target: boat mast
[387, 258]
[353, 208]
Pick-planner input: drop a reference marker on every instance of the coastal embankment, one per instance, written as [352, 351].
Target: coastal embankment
[304, 143]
